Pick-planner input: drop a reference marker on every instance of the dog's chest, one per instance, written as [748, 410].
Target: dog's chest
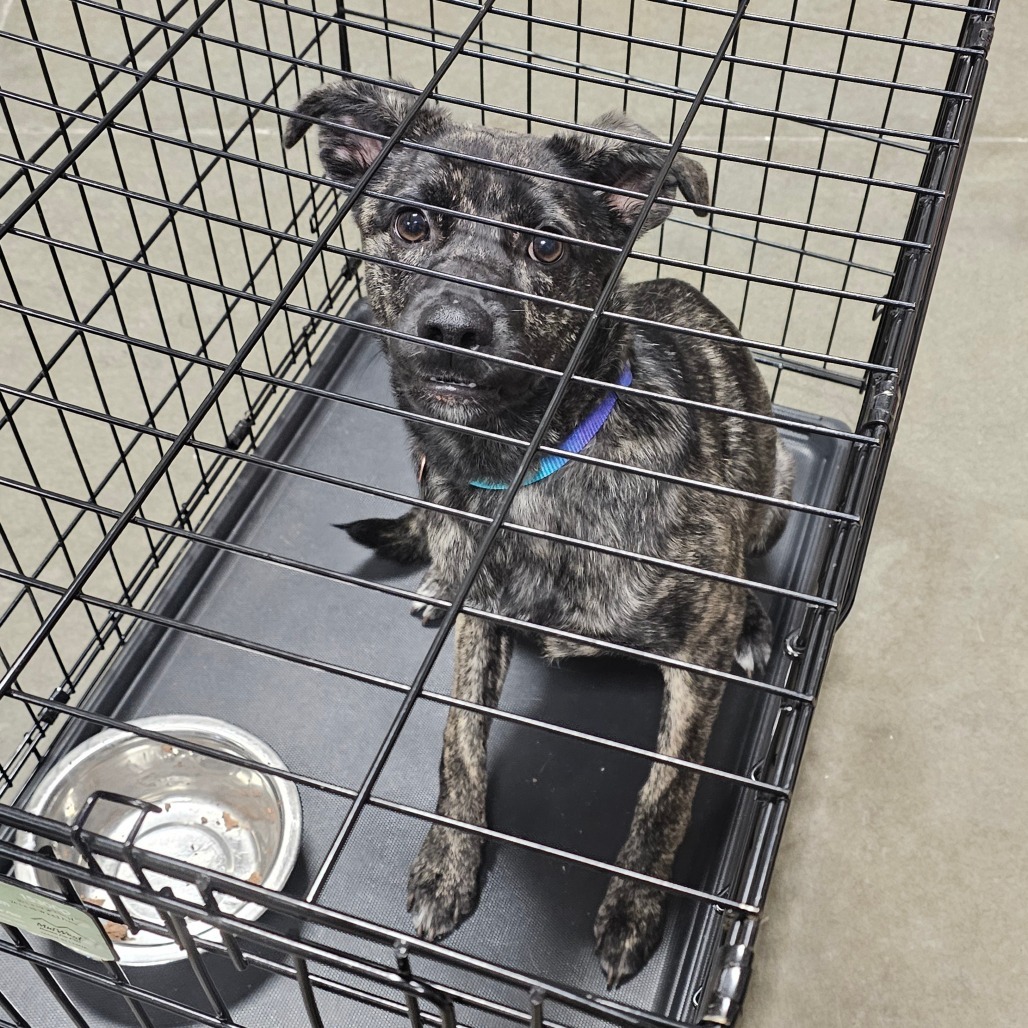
[537, 576]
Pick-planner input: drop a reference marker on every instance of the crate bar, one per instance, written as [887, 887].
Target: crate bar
[413, 989]
[627, 319]
[176, 923]
[236, 44]
[96, 379]
[418, 988]
[842, 515]
[680, 49]
[242, 294]
[45, 966]
[9, 1011]
[834, 30]
[765, 178]
[228, 452]
[199, 491]
[461, 102]
[180, 531]
[102, 845]
[19, 947]
[11, 409]
[793, 286]
[820, 164]
[443, 699]
[885, 137]
[867, 192]
[530, 19]
[898, 338]
[58, 708]
[560, 123]
[507, 497]
[197, 358]
[756, 218]
[323, 665]
[163, 350]
[811, 600]
[310, 1003]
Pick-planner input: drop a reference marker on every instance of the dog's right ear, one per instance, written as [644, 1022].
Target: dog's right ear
[351, 117]
[630, 164]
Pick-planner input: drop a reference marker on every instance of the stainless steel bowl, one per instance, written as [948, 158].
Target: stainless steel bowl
[213, 814]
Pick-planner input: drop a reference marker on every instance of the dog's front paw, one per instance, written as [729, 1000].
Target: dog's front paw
[429, 613]
[443, 884]
[628, 928]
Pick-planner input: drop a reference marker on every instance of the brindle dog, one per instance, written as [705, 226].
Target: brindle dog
[704, 621]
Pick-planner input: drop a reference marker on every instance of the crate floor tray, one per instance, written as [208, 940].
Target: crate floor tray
[535, 913]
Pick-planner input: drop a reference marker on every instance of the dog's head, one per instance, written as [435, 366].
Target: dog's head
[436, 213]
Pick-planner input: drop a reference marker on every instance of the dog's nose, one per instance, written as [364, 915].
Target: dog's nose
[458, 323]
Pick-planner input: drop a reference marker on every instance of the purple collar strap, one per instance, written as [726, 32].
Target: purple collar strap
[576, 442]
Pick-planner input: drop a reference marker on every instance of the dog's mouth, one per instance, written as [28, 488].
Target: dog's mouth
[447, 385]
[452, 382]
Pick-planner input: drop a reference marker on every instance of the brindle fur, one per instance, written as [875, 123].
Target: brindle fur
[702, 621]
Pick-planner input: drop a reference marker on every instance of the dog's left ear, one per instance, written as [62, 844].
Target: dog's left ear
[627, 164]
[352, 117]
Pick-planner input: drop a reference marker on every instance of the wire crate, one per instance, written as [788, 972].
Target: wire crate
[192, 396]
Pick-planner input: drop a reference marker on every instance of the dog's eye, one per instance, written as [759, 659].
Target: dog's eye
[412, 225]
[545, 250]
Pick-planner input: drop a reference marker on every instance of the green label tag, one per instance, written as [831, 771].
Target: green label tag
[54, 920]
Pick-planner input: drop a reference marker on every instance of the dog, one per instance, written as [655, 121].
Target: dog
[486, 291]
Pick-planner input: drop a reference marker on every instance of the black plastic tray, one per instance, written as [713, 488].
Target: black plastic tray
[535, 913]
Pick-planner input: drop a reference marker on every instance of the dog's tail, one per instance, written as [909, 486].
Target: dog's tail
[401, 539]
[753, 648]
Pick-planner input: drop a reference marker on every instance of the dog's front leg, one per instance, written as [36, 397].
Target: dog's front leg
[443, 881]
[630, 919]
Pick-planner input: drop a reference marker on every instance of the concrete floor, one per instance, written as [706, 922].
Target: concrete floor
[896, 899]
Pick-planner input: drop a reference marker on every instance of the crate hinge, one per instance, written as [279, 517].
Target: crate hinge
[885, 400]
[982, 27]
[238, 435]
[734, 975]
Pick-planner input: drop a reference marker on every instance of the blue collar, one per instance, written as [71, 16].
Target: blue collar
[575, 443]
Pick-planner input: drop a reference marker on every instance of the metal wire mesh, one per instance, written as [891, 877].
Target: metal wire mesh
[177, 300]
